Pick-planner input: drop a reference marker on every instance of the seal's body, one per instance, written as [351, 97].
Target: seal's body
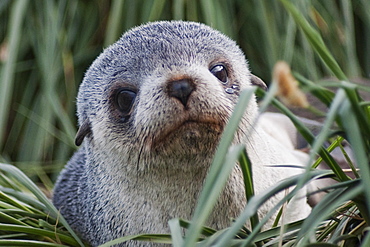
[151, 111]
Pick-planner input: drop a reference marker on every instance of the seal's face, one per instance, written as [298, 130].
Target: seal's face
[188, 116]
[164, 90]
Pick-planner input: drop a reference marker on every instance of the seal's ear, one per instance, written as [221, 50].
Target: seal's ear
[84, 130]
[255, 80]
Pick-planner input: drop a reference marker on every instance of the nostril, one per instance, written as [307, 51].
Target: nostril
[181, 90]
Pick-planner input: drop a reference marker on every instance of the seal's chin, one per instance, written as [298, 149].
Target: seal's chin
[189, 137]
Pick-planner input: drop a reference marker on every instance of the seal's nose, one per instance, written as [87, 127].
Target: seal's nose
[181, 90]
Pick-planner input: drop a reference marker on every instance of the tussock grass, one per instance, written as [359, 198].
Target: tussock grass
[45, 47]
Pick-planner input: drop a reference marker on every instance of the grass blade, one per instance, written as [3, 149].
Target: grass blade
[246, 167]
[256, 201]
[324, 209]
[19, 176]
[40, 232]
[27, 242]
[176, 235]
[219, 171]
[154, 238]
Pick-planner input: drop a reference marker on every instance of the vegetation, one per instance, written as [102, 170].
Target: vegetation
[45, 47]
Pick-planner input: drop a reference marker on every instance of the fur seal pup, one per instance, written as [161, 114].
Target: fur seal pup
[151, 110]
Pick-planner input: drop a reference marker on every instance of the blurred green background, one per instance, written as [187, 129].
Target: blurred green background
[46, 46]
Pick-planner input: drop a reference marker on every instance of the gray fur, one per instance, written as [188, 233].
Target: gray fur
[132, 176]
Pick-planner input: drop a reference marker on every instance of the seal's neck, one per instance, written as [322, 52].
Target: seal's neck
[170, 192]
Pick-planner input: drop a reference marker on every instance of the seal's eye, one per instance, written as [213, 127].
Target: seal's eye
[220, 72]
[124, 100]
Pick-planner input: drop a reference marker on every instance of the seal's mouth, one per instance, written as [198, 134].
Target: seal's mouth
[189, 130]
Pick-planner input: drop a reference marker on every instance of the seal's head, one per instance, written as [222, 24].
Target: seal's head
[165, 89]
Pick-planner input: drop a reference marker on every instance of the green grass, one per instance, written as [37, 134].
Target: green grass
[47, 46]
